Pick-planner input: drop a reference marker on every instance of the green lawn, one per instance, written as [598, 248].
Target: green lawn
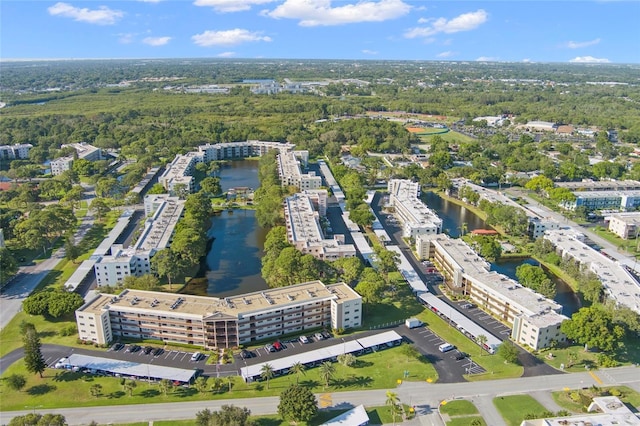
[458, 407]
[379, 370]
[378, 415]
[514, 408]
[466, 421]
[577, 400]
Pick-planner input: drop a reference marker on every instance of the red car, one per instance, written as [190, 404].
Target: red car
[278, 346]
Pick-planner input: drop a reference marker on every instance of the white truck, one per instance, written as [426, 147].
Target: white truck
[413, 323]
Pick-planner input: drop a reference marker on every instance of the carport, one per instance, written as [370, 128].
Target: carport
[131, 369]
[466, 326]
[252, 372]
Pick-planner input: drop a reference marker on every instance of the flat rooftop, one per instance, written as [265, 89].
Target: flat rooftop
[199, 307]
[617, 281]
[526, 300]
[159, 229]
[602, 185]
[406, 193]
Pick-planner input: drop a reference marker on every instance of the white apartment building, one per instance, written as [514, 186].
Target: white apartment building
[213, 322]
[619, 285]
[535, 320]
[415, 216]
[19, 151]
[83, 150]
[290, 172]
[231, 150]
[165, 212]
[624, 225]
[60, 165]
[605, 200]
[179, 172]
[302, 212]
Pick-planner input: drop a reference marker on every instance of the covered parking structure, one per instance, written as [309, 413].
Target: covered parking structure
[466, 326]
[134, 370]
[330, 353]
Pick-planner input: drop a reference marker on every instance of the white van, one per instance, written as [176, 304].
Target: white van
[446, 347]
[195, 357]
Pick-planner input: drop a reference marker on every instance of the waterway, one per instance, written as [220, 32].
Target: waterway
[232, 265]
[564, 294]
[453, 215]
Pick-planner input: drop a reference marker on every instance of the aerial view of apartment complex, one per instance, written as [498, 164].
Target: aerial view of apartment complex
[213, 322]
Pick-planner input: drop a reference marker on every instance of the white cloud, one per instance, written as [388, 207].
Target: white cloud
[312, 13]
[223, 6]
[581, 44]
[100, 16]
[465, 22]
[227, 38]
[486, 59]
[156, 41]
[589, 60]
[226, 54]
[527, 61]
[370, 52]
[446, 54]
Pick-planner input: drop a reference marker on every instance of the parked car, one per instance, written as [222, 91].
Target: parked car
[467, 306]
[303, 339]
[196, 356]
[157, 351]
[148, 350]
[269, 347]
[460, 355]
[279, 346]
[246, 354]
[117, 346]
[133, 348]
[326, 334]
[318, 336]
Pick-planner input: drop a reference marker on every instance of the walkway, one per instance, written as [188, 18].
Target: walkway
[425, 396]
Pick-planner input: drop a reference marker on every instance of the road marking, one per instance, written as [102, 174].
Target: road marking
[325, 400]
[596, 378]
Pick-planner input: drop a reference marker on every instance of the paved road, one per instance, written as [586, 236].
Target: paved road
[426, 397]
[28, 277]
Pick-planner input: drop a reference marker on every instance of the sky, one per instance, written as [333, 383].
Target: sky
[598, 31]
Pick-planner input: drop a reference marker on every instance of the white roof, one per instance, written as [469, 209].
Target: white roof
[462, 321]
[130, 368]
[322, 353]
[407, 271]
[355, 417]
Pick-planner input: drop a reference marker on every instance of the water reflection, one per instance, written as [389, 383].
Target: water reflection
[453, 215]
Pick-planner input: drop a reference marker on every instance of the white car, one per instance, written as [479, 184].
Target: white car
[304, 339]
[318, 336]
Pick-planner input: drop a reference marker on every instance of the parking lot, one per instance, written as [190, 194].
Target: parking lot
[485, 320]
[452, 365]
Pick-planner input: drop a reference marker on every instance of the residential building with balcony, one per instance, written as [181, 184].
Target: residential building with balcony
[624, 225]
[213, 322]
[619, 284]
[416, 218]
[19, 151]
[163, 213]
[534, 319]
[83, 150]
[290, 165]
[302, 213]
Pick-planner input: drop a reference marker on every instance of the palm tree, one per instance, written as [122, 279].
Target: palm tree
[165, 385]
[267, 373]
[482, 339]
[393, 402]
[327, 370]
[297, 369]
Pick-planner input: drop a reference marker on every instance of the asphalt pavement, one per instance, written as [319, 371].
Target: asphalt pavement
[426, 397]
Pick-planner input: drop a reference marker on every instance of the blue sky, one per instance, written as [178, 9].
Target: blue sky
[514, 31]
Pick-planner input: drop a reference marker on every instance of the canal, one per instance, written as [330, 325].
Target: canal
[454, 215]
[233, 262]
